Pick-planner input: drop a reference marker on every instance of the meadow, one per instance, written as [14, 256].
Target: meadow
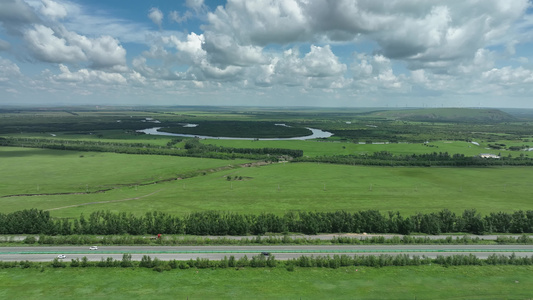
[69, 183]
[43, 171]
[313, 148]
[419, 282]
[226, 186]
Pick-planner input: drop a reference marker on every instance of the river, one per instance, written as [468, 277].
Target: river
[316, 133]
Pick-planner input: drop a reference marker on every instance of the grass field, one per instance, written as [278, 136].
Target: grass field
[422, 282]
[34, 171]
[277, 188]
[318, 148]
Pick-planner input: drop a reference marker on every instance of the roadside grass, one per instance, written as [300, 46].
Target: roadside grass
[418, 282]
[284, 187]
[36, 171]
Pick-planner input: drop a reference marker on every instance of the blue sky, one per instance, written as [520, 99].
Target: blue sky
[342, 53]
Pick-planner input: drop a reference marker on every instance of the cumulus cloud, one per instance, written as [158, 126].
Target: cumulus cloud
[15, 15]
[197, 5]
[507, 76]
[426, 34]
[156, 16]
[376, 71]
[260, 22]
[68, 47]
[419, 46]
[48, 47]
[319, 62]
[319, 68]
[224, 50]
[8, 70]
[141, 67]
[53, 9]
[175, 16]
[88, 76]
[101, 52]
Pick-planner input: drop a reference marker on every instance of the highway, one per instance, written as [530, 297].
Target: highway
[280, 252]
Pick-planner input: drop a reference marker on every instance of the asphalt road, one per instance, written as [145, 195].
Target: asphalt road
[280, 252]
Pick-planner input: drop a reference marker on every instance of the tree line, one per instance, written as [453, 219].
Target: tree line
[262, 261]
[385, 158]
[35, 221]
[185, 240]
[193, 148]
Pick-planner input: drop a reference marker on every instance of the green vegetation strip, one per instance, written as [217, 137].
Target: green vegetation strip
[410, 282]
[276, 251]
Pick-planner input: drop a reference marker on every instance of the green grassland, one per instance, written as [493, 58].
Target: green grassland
[448, 115]
[36, 171]
[102, 136]
[278, 187]
[420, 282]
[323, 147]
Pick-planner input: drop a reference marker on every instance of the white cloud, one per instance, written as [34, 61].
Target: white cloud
[317, 68]
[65, 46]
[508, 76]
[15, 15]
[424, 33]
[88, 23]
[175, 16]
[224, 50]
[53, 9]
[278, 48]
[88, 76]
[46, 46]
[321, 62]
[260, 22]
[190, 51]
[156, 16]
[101, 52]
[8, 70]
[197, 5]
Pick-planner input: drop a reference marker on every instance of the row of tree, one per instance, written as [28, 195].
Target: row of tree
[173, 240]
[262, 261]
[193, 148]
[35, 221]
[385, 158]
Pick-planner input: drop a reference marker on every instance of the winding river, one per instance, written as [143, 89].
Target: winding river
[316, 133]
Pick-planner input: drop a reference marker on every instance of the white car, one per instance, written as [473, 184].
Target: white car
[61, 256]
[93, 248]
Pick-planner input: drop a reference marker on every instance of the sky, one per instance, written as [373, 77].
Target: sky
[325, 53]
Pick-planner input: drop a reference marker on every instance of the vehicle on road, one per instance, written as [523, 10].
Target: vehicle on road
[265, 253]
[61, 256]
[93, 248]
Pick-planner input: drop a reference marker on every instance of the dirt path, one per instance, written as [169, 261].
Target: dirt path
[101, 202]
